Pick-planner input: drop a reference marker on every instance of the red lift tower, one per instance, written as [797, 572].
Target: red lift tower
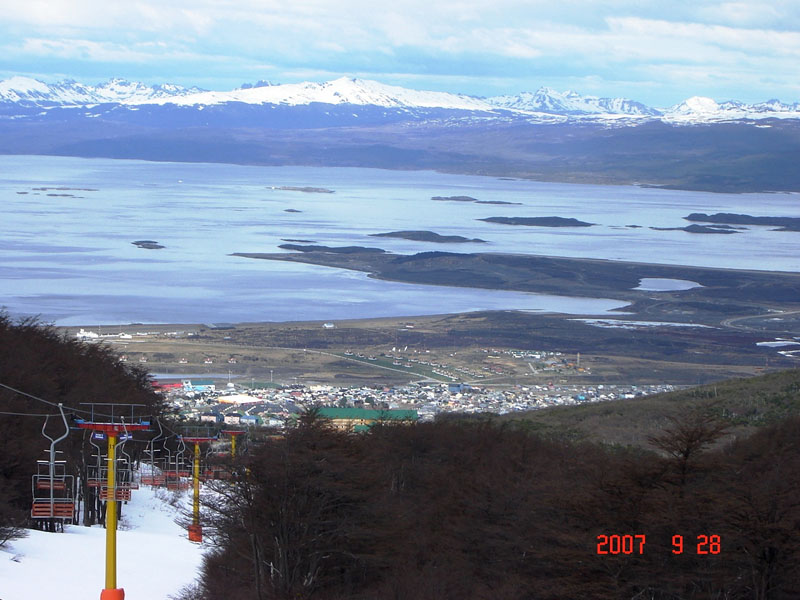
[234, 433]
[113, 427]
[195, 529]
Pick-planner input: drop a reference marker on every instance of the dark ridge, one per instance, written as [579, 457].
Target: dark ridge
[471, 199]
[329, 249]
[498, 202]
[306, 189]
[697, 229]
[426, 256]
[785, 223]
[538, 221]
[428, 236]
[148, 244]
[454, 199]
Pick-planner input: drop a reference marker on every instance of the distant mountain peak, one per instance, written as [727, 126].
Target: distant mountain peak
[69, 92]
[544, 105]
[258, 84]
[548, 100]
[696, 104]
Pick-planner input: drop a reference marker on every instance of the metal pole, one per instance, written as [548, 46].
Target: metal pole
[196, 530]
[196, 484]
[111, 592]
[233, 445]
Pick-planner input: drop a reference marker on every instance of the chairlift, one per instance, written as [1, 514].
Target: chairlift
[182, 467]
[95, 475]
[156, 476]
[125, 469]
[172, 479]
[53, 490]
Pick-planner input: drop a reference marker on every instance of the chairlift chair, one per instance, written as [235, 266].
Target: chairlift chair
[53, 490]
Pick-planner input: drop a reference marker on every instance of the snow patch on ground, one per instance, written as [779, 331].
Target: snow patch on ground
[620, 324]
[658, 284]
[778, 343]
[155, 559]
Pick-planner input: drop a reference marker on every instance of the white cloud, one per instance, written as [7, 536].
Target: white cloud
[608, 41]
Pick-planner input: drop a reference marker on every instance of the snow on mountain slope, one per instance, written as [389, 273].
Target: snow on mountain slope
[340, 91]
[544, 105]
[699, 109]
[570, 103]
[72, 93]
[155, 558]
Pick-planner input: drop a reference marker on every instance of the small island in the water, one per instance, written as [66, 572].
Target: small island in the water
[785, 223]
[471, 199]
[538, 221]
[298, 241]
[64, 189]
[699, 229]
[292, 210]
[306, 189]
[429, 236]
[328, 249]
[147, 244]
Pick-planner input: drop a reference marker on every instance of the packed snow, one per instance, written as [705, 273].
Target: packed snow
[155, 559]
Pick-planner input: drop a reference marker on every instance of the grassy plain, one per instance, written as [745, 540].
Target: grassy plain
[463, 345]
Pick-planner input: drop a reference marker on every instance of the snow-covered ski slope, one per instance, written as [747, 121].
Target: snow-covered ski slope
[155, 559]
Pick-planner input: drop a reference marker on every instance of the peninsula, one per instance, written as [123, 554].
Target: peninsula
[429, 236]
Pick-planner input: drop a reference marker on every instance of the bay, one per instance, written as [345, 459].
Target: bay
[67, 255]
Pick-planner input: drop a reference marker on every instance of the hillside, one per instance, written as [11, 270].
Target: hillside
[743, 405]
[473, 510]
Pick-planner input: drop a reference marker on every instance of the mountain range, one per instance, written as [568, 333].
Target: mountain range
[697, 144]
[545, 104]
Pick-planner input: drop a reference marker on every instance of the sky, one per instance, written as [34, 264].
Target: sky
[653, 51]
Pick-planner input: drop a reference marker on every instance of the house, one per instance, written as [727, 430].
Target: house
[250, 420]
[211, 417]
[200, 385]
[233, 419]
[361, 419]
[458, 388]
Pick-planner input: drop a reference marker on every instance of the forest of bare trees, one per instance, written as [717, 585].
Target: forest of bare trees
[475, 510]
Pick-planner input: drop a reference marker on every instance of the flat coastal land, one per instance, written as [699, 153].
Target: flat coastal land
[733, 324]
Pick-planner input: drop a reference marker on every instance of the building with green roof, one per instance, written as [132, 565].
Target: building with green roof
[361, 419]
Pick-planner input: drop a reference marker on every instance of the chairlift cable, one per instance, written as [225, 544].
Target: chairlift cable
[56, 404]
[18, 414]
[70, 408]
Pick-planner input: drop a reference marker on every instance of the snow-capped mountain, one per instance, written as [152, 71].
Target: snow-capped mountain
[361, 123]
[374, 99]
[339, 91]
[27, 91]
[700, 109]
[548, 100]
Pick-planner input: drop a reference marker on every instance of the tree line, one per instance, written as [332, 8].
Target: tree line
[486, 511]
